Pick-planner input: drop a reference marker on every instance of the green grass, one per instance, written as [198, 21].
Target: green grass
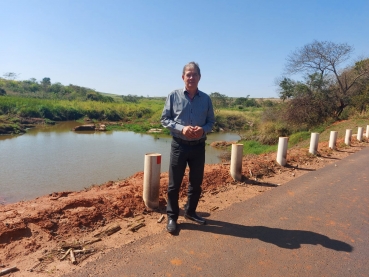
[254, 147]
[61, 110]
[250, 113]
[341, 127]
[302, 139]
[299, 137]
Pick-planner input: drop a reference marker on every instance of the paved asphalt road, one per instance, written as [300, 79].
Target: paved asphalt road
[315, 225]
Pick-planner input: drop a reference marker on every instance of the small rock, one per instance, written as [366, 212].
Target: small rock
[127, 212]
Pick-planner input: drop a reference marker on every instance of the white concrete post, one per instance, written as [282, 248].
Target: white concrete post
[367, 131]
[314, 141]
[282, 151]
[360, 133]
[348, 137]
[333, 139]
[236, 162]
[151, 183]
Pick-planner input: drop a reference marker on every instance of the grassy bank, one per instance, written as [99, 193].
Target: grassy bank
[302, 139]
[257, 135]
[139, 116]
[60, 110]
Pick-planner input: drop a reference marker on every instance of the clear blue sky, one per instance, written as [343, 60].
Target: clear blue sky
[140, 46]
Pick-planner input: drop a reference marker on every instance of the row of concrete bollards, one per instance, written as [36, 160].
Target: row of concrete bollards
[314, 140]
[348, 135]
[151, 184]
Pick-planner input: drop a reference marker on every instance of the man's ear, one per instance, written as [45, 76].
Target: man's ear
[183, 77]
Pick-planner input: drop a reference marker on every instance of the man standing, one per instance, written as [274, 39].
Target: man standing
[188, 114]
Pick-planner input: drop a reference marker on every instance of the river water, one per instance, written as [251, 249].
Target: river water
[54, 158]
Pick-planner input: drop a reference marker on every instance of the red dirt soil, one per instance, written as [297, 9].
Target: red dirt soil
[32, 232]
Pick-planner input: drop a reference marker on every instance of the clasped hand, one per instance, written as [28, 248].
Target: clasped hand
[193, 132]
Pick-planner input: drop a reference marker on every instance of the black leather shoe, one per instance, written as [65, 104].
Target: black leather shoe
[171, 226]
[196, 218]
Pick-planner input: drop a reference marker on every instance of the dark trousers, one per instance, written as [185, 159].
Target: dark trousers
[182, 155]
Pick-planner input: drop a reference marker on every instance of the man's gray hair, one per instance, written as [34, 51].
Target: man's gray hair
[192, 65]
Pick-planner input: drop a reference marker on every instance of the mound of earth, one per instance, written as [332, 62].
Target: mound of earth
[18, 125]
[32, 233]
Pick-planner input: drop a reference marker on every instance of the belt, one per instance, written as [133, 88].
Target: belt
[189, 142]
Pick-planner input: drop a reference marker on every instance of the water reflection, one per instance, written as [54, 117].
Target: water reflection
[53, 158]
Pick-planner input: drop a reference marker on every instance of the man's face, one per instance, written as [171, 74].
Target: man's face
[191, 78]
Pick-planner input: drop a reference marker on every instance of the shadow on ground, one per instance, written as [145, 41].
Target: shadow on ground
[288, 239]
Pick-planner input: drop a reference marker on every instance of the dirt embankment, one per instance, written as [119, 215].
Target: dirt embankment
[19, 125]
[32, 232]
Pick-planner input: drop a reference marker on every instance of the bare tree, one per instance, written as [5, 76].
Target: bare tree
[10, 75]
[318, 56]
[326, 58]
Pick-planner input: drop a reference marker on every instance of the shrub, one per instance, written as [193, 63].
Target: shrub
[46, 112]
[29, 112]
[74, 114]
[298, 137]
[231, 121]
[271, 131]
[112, 115]
[95, 114]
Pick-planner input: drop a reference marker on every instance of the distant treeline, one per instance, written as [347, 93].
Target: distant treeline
[54, 101]
[221, 101]
[46, 90]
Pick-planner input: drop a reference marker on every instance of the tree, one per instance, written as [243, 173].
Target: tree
[218, 100]
[92, 96]
[130, 98]
[10, 75]
[325, 58]
[241, 100]
[2, 92]
[311, 101]
[290, 89]
[46, 82]
[318, 57]
[286, 88]
[361, 99]
[246, 102]
[31, 85]
[57, 88]
[266, 103]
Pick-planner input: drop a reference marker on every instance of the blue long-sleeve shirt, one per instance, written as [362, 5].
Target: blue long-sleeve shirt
[180, 111]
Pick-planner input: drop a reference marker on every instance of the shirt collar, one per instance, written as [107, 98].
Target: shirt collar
[197, 92]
